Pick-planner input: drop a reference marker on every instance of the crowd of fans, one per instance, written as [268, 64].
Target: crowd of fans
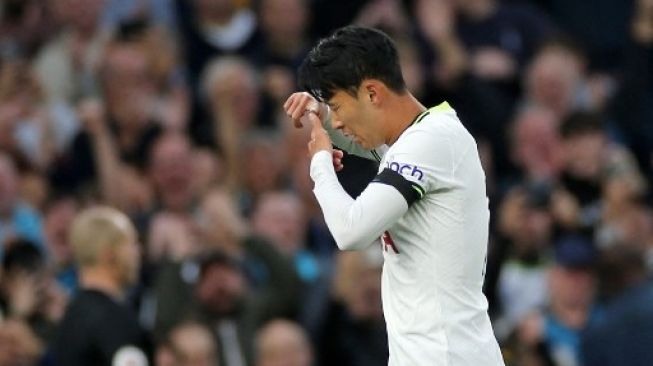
[170, 111]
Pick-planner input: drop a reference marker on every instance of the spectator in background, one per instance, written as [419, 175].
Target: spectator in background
[623, 335]
[119, 130]
[284, 30]
[261, 164]
[555, 79]
[24, 27]
[27, 130]
[188, 344]
[355, 333]
[231, 90]
[170, 169]
[535, 145]
[99, 328]
[222, 303]
[28, 293]
[279, 217]
[58, 217]
[211, 28]
[17, 219]
[553, 334]
[67, 65]
[219, 226]
[589, 159]
[283, 343]
[526, 232]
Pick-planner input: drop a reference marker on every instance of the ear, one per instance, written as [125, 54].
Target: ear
[373, 91]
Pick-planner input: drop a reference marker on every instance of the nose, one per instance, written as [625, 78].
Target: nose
[337, 124]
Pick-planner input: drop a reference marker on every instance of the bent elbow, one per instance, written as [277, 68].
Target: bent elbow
[350, 240]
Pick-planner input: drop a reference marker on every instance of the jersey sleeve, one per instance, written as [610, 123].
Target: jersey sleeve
[424, 161]
[354, 223]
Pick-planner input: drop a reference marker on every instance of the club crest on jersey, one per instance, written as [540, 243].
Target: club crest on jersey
[406, 170]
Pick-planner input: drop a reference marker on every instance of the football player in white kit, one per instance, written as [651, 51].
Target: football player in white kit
[427, 205]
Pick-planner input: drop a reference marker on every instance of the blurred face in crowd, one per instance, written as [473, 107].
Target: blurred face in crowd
[572, 288]
[583, 154]
[235, 88]
[284, 20]
[56, 225]
[83, 15]
[193, 345]
[535, 144]
[553, 78]
[262, 166]
[221, 289]
[8, 184]
[362, 299]
[171, 171]
[280, 217]
[282, 343]
[128, 85]
[219, 222]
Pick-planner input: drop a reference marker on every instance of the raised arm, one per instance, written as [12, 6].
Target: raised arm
[354, 223]
[296, 106]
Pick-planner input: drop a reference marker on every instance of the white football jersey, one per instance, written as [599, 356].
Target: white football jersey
[429, 206]
[435, 255]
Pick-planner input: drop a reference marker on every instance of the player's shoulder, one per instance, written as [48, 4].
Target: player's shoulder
[440, 120]
[434, 129]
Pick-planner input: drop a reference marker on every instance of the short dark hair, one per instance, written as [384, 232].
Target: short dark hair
[23, 254]
[350, 55]
[581, 123]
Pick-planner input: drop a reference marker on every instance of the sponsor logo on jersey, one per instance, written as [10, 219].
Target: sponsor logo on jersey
[407, 170]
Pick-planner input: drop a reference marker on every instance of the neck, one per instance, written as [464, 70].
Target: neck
[401, 113]
[98, 278]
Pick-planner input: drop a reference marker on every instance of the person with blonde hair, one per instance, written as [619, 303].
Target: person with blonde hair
[99, 327]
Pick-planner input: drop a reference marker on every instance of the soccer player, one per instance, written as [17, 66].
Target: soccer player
[427, 203]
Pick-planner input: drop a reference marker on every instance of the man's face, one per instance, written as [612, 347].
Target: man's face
[220, 289]
[356, 117]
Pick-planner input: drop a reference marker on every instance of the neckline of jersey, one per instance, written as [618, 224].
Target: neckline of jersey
[442, 107]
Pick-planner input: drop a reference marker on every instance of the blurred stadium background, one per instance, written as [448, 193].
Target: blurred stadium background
[170, 110]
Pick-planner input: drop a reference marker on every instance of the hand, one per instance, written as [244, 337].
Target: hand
[25, 292]
[91, 114]
[319, 137]
[298, 104]
[337, 160]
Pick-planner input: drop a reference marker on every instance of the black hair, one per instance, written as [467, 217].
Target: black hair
[581, 123]
[350, 55]
[216, 258]
[23, 254]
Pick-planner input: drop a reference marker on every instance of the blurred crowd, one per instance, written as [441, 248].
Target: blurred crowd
[171, 112]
